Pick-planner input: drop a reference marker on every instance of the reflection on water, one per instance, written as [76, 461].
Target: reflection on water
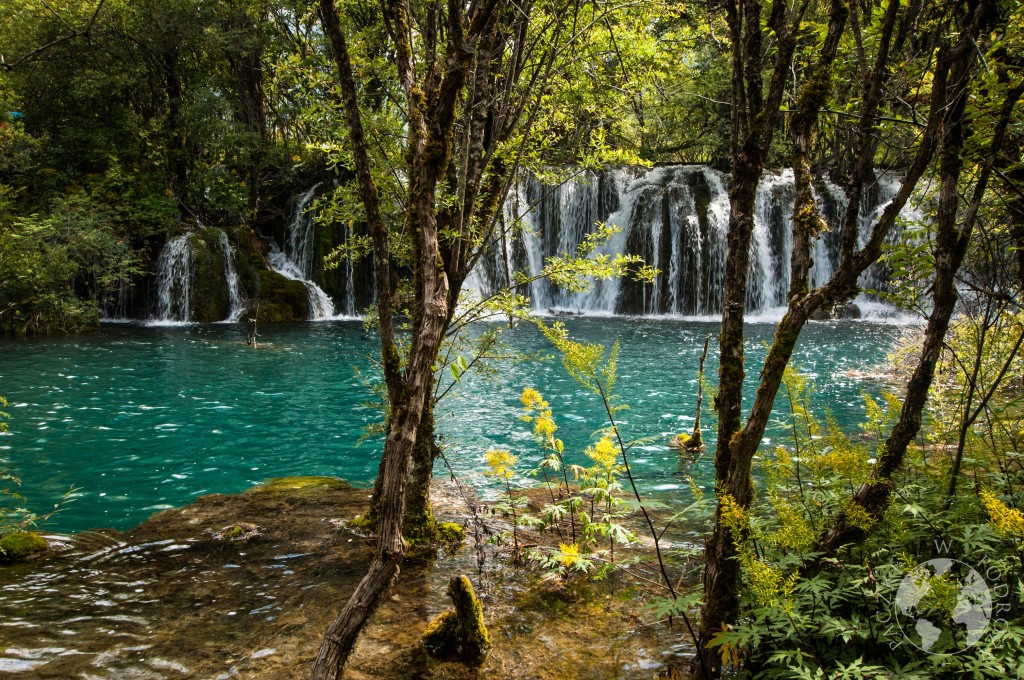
[141, 419]
[168, 600]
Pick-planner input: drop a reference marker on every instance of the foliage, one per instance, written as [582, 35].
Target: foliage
[587, 512]
[58, 269]
[805, 614]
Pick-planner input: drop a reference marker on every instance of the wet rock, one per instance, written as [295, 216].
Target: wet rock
[686, 442]
[167, 595]
[242, 531]
[280, 298]
[850, 311]
[210, 300]
[20, 546]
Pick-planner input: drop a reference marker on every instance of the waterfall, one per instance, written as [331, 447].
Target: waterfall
[350, 279]
[174, 281]
[676, 219]
[235, 296]
[296, 261]
[192, 273]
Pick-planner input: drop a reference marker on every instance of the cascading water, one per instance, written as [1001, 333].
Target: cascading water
[676, 219]
[295, 262]
[174, 281]
[231, 277]
[180, 297]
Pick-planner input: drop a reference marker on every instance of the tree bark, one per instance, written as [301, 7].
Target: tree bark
[419, 521]
[951, 244]
[754, 119]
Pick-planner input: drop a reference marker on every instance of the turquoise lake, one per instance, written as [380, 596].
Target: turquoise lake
[143, 418]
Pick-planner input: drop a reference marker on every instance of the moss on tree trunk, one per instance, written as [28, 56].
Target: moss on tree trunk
[459, 635]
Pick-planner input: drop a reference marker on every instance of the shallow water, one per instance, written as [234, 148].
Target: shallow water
[169, 600]
[141, 419]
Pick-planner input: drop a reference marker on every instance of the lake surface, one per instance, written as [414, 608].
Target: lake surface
[141, 419]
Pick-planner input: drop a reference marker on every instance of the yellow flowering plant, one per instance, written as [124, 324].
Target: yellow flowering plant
[501, 466]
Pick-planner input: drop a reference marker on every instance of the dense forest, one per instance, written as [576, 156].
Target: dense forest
[143, 139]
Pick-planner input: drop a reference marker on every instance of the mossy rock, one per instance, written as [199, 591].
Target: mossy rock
[242, 531]
[679, 441]
[459, 635]
[20, 546]
[442, 637]
[281, 299]
[299, 483]
[364, 522]
[685, 442]
[210, 299]
[451, 535]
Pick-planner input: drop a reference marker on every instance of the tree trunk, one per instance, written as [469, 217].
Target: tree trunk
[390, 549]
[754, 119]
[951, 245]
[431, 110]
[419, 514]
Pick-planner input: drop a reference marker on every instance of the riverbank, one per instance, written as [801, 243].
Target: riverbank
[177, 597]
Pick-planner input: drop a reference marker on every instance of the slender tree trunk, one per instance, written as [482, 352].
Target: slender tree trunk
[951, 245]
[754, 119]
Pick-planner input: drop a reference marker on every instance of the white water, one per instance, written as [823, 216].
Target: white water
[676, 219]
[174, 273]
[231, 277]
[296, 261]
[174, 281]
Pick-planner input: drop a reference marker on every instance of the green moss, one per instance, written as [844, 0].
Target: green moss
[364, 522]
[20, 545]
[281, 299]
[451, 535]
[210, 299]
[300, 483]
[242, 531]
[459, 635]
[441, 639]
[421, 527]
[680, 441]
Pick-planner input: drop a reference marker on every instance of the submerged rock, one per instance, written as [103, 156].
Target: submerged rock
[19, 546]
[169, 600]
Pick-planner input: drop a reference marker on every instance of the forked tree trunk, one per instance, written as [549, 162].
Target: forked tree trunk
[431, 111]
[754, 119]
[743, 444]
